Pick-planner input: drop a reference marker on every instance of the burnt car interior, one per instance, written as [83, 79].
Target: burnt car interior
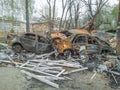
[90, 42]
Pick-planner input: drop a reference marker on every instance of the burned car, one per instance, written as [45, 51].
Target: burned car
[31, 43]
[81, 37]
[92, 44]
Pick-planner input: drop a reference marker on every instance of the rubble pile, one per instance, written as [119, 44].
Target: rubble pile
[49, 71]
[45, 70]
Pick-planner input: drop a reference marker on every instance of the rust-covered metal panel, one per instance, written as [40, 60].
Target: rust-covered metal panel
[61, 42]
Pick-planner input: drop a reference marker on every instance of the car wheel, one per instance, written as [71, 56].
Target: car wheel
[17, 48]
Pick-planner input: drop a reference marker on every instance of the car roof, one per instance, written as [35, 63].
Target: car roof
[79, 31]
[58, 35]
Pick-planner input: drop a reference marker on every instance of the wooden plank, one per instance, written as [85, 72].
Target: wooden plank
[50, 68]
[44, 55]
[51, 71]
[42, 79]
[5, 61]
[41, 72]
[65, 65]
[75, 70]
[58, 63]
[24, 64]
[60, 73]
[93, 75]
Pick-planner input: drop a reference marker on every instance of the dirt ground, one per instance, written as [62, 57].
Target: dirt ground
[12, 79]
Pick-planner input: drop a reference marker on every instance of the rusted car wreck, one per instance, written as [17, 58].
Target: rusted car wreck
[92, 44]
[31, 43]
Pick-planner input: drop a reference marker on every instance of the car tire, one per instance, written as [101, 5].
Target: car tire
[17, 48]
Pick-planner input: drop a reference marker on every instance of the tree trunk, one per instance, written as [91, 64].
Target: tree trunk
[63, 12]
[118, 41]
[27, 17]
[119, 14]
[49, 21]
[54, 8]
[118, 33]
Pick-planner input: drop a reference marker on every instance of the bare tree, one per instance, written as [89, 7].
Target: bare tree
[94, 9]
[52, 12]
[118, 33]
[78, 6]
[53, 19]
[64, 6]
[72, 10]
[49, 22]
[73, 13]
[70, 14]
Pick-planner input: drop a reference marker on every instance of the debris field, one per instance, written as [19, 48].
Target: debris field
[52, 60]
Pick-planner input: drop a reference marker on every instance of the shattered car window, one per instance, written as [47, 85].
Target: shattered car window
[92, 40]
[80, 39]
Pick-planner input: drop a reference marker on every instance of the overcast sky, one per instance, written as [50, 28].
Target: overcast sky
[40, 4]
